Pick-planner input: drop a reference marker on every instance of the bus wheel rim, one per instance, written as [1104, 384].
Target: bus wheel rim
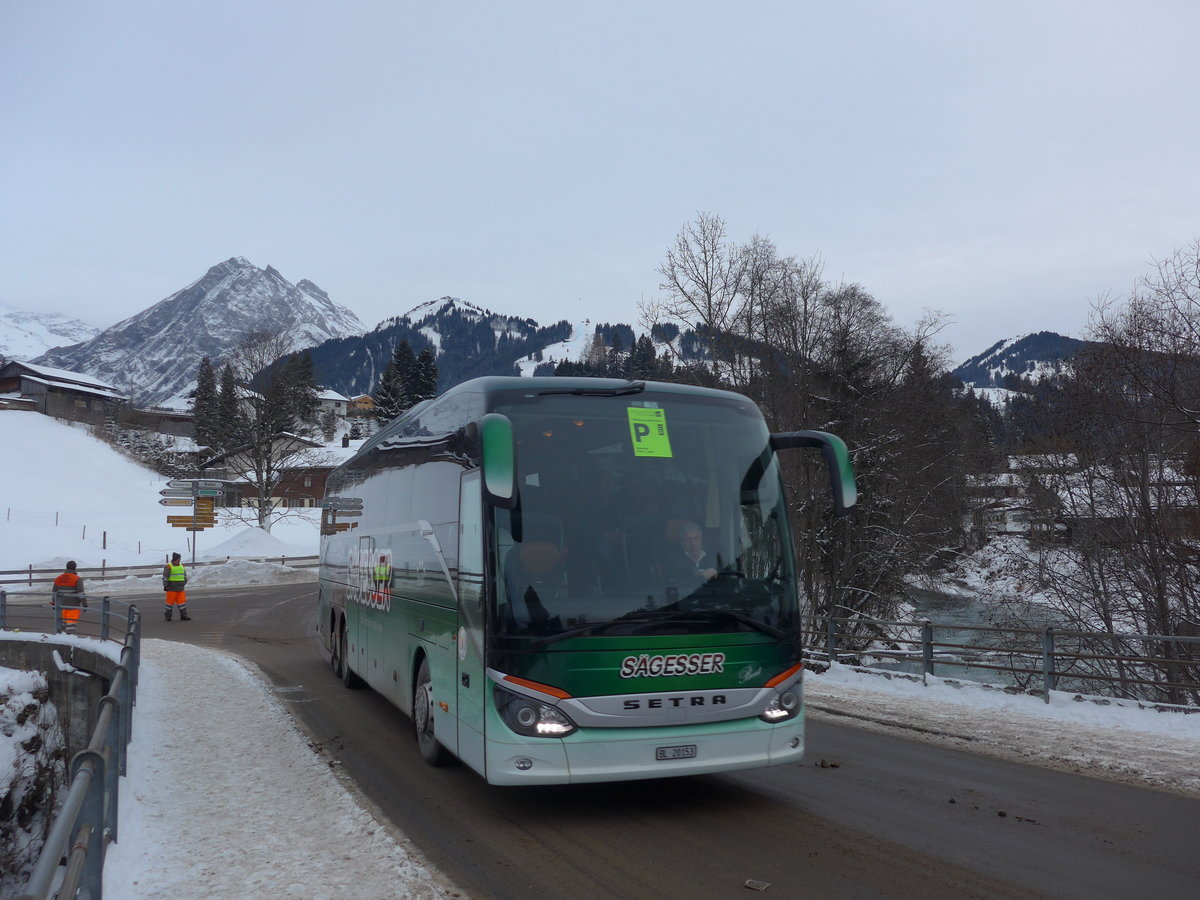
[424, 709]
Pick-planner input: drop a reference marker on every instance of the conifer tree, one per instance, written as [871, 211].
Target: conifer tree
[643, 360]
[425, 377]
[392, 395]
[206, 405]
[301, 385]
[386, 395]
[228, 410]
[405, 362]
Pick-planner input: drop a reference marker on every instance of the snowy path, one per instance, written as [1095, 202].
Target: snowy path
[224, 798]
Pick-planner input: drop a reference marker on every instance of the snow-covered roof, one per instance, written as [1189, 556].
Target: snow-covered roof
[1053, 461]
[16, 401]
[332, 395]
[995, 479]
[105, 393]
[64, 375]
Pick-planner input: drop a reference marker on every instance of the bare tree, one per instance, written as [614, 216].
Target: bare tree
[263, 440]
[702, 289]
[827, 356]
[1131, 410]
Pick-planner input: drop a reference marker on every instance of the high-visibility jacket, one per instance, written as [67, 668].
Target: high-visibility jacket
[383, 575]
[68, 587]
[174, 577]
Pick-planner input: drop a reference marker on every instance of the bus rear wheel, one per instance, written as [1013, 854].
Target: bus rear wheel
[335, 653]
[423, 718]
[349, 679]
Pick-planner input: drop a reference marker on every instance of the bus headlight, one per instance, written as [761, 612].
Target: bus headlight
[783, 707]
[532, 718]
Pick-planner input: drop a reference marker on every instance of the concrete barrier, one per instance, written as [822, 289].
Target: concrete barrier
[77, 678]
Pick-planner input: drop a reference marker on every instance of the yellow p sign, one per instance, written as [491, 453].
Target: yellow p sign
[648, 428]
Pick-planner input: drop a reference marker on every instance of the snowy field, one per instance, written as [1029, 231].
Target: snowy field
[268, 838]
[67, 495]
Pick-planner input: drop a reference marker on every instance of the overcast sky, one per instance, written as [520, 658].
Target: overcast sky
[1005, 163]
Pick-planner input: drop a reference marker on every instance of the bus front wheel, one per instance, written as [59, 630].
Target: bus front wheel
[431, 751]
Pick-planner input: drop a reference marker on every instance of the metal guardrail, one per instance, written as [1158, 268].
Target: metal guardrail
[31, 576]
[1054, 657]
[87, 822]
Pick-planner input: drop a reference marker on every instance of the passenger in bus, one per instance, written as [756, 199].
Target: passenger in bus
[687, 565]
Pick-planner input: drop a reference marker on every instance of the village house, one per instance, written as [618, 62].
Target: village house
[58, 393]
[361, 405]
[332, 401]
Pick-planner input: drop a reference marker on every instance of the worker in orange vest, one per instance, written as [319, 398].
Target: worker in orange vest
[174, 577]
[68, 592]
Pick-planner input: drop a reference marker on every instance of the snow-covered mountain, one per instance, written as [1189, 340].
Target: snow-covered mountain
[467, 339]
[24, 334]
[1031, 356]
[154, 355]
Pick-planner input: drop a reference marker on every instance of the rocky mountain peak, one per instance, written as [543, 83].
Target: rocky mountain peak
[155, 354]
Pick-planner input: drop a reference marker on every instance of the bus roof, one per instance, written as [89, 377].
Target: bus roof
[490, 385]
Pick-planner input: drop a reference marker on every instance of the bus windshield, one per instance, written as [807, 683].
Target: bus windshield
[646, 513]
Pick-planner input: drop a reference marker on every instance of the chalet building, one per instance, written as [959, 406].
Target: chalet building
[332, 401]
[82, 398]
[1054, 498]
[362, 405]
[304, 486]
[1003, 503]
[58, 393]
[177, 422]
[300, 485]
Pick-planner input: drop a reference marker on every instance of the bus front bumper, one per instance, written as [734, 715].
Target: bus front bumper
[625, 754]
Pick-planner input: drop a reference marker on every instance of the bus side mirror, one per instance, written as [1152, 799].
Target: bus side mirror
[837, 461]
[498, 452]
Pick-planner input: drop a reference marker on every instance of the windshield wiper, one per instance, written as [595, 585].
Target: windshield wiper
[632, 387]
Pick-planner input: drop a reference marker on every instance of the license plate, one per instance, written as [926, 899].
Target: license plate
[687, 751]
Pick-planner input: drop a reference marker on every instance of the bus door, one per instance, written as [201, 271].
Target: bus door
[471, 681]
[358, 608]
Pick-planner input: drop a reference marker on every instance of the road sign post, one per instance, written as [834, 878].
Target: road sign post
[196, 483]
[199, 493]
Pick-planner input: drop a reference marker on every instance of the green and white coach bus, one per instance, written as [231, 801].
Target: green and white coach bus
[574, 579]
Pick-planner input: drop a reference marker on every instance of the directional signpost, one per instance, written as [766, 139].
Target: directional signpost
[334, 508]
[199, 493]
[193, 484]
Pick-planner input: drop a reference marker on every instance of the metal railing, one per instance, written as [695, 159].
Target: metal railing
[30, 576]
[78, 839]
[1166, 671]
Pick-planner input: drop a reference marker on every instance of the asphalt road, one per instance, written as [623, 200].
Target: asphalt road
[866, 815]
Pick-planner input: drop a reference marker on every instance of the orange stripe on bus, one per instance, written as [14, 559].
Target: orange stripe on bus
[543, 688]
[785, 675]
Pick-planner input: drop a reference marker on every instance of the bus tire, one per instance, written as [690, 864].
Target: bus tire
[335, 650]
[423, 718]
[349, 679]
